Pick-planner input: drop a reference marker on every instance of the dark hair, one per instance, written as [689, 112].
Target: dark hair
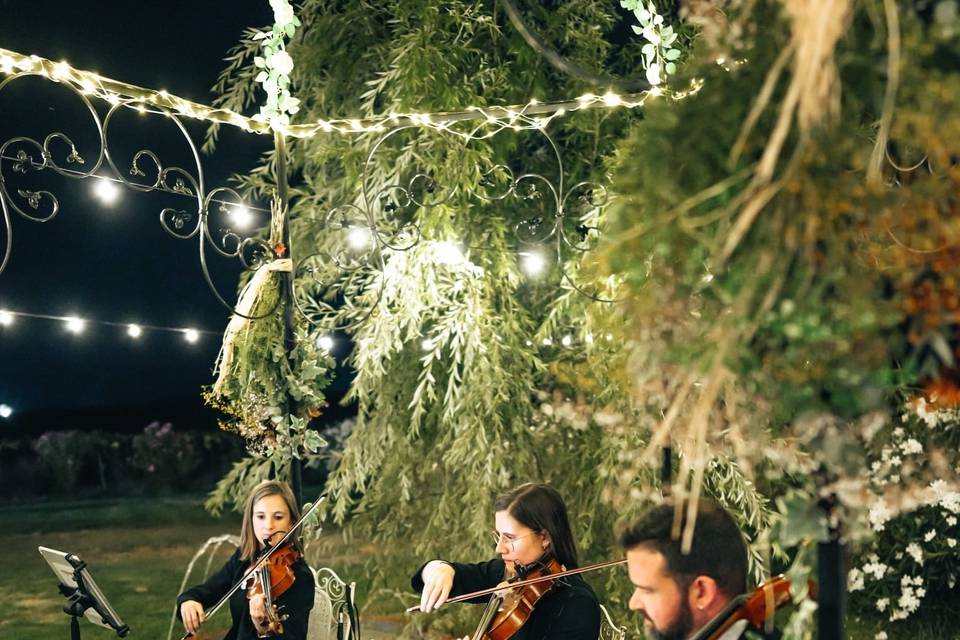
[718, 549]
[539, 507]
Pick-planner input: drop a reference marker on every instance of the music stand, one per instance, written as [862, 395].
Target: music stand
[84, 597]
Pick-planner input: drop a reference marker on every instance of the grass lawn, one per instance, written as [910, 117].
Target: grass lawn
[137, 550]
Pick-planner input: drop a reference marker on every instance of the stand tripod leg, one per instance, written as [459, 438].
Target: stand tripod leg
[74, 628]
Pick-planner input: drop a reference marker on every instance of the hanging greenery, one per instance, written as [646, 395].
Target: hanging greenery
[791, 266]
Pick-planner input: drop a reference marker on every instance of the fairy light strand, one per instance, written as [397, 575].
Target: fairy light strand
[77, 325]
[533, 115]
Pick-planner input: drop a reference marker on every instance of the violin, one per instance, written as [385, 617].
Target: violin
[748, 609]
[264, 559]
[506, 613]
[271, 579]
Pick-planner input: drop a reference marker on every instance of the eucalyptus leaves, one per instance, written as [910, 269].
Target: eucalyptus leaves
[659, 58]
[276, 65]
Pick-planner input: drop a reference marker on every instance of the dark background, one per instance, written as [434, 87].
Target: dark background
[115, 263]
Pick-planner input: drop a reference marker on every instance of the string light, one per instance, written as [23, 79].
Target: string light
[77, 325]
[106, 191]
[427, 345]
[447, 253]
[517, 117]
[566, 340]
[5, 411]
[358, 238]
[241, 216]
[532, 263]
[325, 343]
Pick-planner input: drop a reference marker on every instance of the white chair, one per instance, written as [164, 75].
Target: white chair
[213, 545]
[333, 606]
[609, 630]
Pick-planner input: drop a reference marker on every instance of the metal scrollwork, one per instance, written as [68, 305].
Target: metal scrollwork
[358, 236]
[205, 219]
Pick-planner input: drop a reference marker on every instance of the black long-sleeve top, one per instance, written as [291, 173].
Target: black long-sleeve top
[570, 611]
[295, 601]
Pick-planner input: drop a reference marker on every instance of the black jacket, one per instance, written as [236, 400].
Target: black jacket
[569, 612]
[295, 601]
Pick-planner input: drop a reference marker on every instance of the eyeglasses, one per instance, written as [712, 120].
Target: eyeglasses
[508, 539]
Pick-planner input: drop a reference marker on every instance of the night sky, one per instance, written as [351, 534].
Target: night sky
[114, 263]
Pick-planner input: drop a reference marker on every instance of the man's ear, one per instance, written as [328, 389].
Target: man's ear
[703, 594]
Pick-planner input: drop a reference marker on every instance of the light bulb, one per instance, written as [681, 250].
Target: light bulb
[532, 263]
[105, 191]
[75, 325]
[325, 343]
[241, 216]
[191, 335]
[6, 318]
[134, 330]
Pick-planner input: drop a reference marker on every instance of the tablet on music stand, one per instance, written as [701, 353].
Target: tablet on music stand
[84, 597]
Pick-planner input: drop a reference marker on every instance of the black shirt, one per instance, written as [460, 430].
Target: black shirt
[295, 601]
[570, 611]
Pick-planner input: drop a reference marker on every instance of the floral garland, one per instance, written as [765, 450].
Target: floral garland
[659, 58]
[276, 65]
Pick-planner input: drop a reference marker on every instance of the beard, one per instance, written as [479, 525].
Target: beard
[679, 630]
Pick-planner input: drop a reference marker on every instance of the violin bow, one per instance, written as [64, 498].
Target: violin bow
[523, 583]
[259, 563]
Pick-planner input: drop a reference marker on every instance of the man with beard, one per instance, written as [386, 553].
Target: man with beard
[680, 593]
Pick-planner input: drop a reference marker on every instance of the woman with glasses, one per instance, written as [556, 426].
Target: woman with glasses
[531, 525]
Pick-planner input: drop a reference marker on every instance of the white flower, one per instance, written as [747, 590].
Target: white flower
[911, 446]
[879, 515]
[929, 535]
[949, 500]
[882, 604]
[881, 635]
[876, 569]
[951, 543]
[951, 521]
[855, 580]
[898, 433]
[653, 74]
[282, 12]
[915, 552]
[281, 62]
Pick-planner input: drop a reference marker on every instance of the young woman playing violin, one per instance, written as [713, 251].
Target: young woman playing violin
[283, 609]
[532, 534]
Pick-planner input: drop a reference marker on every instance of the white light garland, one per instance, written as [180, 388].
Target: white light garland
[77, 325]
[533, 115]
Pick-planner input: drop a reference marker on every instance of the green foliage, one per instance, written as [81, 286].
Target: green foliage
[269, 394]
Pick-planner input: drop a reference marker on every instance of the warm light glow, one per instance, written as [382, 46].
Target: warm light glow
[611, 99]
[532, 263]
[240, 216]
[6, 318]
[447, 253]
[105, 191]
[325, 343]
[358, 238]
[5, 411]
[427, 344]
[191, 335]
[134, 331]
[566, 340]
[75, 325]
[547, 342]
